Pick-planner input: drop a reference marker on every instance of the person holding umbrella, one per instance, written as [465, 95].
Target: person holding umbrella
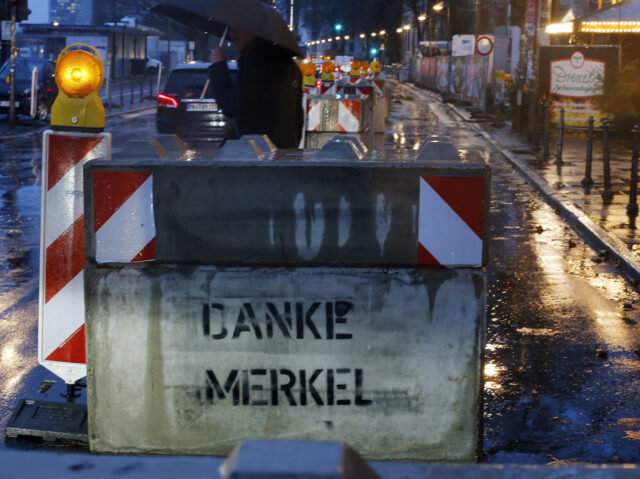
[267, 98]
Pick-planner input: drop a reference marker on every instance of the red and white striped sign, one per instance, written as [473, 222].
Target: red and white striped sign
[379, 85]
[348, 115]
[61, 346]
[328, 88]
[123, 216]
[451, 215]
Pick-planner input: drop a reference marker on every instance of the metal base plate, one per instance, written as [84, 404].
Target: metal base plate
[49, 421]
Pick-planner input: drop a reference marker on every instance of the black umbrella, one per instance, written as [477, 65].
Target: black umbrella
[214, 15]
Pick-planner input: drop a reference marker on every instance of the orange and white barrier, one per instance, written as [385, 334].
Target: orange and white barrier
[61, 346]
[349, 116]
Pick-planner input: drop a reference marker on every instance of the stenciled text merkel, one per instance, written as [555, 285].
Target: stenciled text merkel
[285, 320]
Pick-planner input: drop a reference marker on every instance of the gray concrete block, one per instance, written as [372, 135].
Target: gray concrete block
[263, 141]
[193, 359]
[297, 212]
[339, 149]
[437, 150]
[59, 465]
[355, 139]
[240, 150]
[278, 459]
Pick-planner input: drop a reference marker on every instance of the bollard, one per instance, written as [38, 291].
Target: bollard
[545, 140]
[606, 194]
[560, 138]
[141, 89]
[587, 180]
[536, 126]
[150, 87]
[121, 93]
[632, 207]
[131, 88]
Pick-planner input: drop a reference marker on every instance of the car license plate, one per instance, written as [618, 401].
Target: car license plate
[6, 103]
[202, 106]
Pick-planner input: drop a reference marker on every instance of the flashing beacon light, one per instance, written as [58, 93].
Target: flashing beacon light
[79, 75]
[328, 68]
[308, 74]
[375, 67]
[355, 68]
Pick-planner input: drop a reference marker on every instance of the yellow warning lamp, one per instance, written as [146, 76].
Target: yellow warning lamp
[309, 74]
[355, 68]
[364, 66]
[327, 72]
[79, 76]
[375, 67]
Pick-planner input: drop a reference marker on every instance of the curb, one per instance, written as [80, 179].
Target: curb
[596, 236]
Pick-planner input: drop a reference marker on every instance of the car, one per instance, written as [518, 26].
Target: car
[47, 88]
[186, 107]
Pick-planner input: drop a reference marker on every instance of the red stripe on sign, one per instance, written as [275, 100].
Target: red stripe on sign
[111, 189]
[147, 253]
[426, 259]
[341, 129]
[72, 350]
[353, 107]
[311, 104]
[64, 259]
[465, 196]
[64, 153]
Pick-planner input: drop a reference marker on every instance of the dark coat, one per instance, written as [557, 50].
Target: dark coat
[267, 98]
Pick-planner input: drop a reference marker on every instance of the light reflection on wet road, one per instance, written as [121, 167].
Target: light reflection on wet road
[563, 343]
[561, 371]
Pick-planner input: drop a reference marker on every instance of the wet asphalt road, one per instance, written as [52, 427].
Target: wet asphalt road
[563, 342]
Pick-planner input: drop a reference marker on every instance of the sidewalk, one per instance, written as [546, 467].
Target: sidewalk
[605, 226]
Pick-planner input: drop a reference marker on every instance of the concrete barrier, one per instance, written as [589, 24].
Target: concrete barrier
[287, 297]
[191, 359]
[295, 459]
[391, 210]
[331, 114]
[18, 464]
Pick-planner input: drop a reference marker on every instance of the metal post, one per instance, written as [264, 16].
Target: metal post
[632, 207]
[141, 89]
[12, 68]
[560, 138]
[150, 86]
[159, 79]
[131, 88]
[108, 81]
[545, 140]
[587, 180]
[606, 194]
[121, 92]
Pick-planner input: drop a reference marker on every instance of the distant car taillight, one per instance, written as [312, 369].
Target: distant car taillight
[167, 101]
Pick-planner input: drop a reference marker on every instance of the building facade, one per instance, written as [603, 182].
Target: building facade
[71, 12]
